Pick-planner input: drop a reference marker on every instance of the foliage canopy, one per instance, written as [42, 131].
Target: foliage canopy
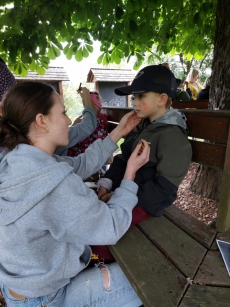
[34, 31]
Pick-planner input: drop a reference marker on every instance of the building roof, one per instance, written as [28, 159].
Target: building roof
[52, 74]
[110, 75]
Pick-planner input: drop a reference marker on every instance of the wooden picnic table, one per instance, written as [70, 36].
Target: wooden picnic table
[176, 261]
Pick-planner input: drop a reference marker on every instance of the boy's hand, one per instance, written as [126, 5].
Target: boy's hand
[103, 194]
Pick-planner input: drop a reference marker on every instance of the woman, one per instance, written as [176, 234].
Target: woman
[204, 94]
[49, 217]
[192, 82]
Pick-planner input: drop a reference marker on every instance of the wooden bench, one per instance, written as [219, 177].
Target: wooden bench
[174, 260]
[193, 104]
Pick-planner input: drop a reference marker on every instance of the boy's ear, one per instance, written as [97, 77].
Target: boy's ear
[163, 99]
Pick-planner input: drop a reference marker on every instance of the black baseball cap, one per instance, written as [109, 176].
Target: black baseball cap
[153, 78]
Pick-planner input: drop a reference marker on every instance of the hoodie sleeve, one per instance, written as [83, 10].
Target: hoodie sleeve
[81, 218]
[80, 131]
[92, 159]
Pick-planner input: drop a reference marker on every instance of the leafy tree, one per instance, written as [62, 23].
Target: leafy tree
[33, 31]
[180, 66]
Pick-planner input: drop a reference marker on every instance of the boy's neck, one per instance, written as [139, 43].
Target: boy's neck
[157, 114]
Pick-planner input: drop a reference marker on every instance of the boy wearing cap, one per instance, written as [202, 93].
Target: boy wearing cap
[165, 131]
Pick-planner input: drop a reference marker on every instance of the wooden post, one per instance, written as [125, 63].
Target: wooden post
[223, 215]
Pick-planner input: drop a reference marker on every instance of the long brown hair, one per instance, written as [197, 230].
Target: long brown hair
[20, 106]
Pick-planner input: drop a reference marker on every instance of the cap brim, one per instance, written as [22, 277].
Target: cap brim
[128, 90]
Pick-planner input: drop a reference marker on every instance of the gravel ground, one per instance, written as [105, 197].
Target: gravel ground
[202, 208]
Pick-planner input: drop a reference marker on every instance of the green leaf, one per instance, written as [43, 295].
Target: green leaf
[129, 7]
[69, 54]
[100, 58]
[75, 18]
[196, 18]
[40, 70]
[32, 66]
[79, 55]
[24, 70]
[51, 53]
[63, 31]
[45, 60]
[66, 49]
[25, 57]
[126, 49]
[56, 51]
[118, 13]
[105, 60]
[89, 48]
[59, 45]
[117, 60]
[85, 53]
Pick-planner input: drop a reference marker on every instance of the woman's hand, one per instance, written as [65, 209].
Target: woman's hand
[138, 158]
[128, 122]
[85, 95]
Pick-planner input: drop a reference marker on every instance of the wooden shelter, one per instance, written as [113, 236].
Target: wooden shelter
[106, 80]
[53, 75]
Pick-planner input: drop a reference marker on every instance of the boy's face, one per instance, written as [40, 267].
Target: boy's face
[150, 104]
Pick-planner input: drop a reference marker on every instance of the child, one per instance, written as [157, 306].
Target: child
[182, 95]
[165, 131]
[6, 80]
[100, 132]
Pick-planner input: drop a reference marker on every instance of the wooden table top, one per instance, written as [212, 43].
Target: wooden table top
[174, 261]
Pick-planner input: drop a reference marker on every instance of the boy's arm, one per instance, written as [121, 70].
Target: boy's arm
[113, 177]
[80, 131]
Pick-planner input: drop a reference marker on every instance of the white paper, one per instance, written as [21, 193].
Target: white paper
[224, 248]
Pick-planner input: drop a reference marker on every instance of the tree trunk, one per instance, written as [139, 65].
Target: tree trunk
[207, 180]
[220, 81]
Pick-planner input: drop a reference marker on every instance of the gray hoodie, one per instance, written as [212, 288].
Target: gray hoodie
[48, 216]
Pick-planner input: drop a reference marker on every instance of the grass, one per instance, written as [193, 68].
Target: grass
[119, 144]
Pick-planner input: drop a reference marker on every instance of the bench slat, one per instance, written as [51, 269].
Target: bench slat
[213, 271]
[192, 226]
[156, 281]
[182, 250]
[204, 296]
[194, 104]
[212, 128]
[209, 154]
